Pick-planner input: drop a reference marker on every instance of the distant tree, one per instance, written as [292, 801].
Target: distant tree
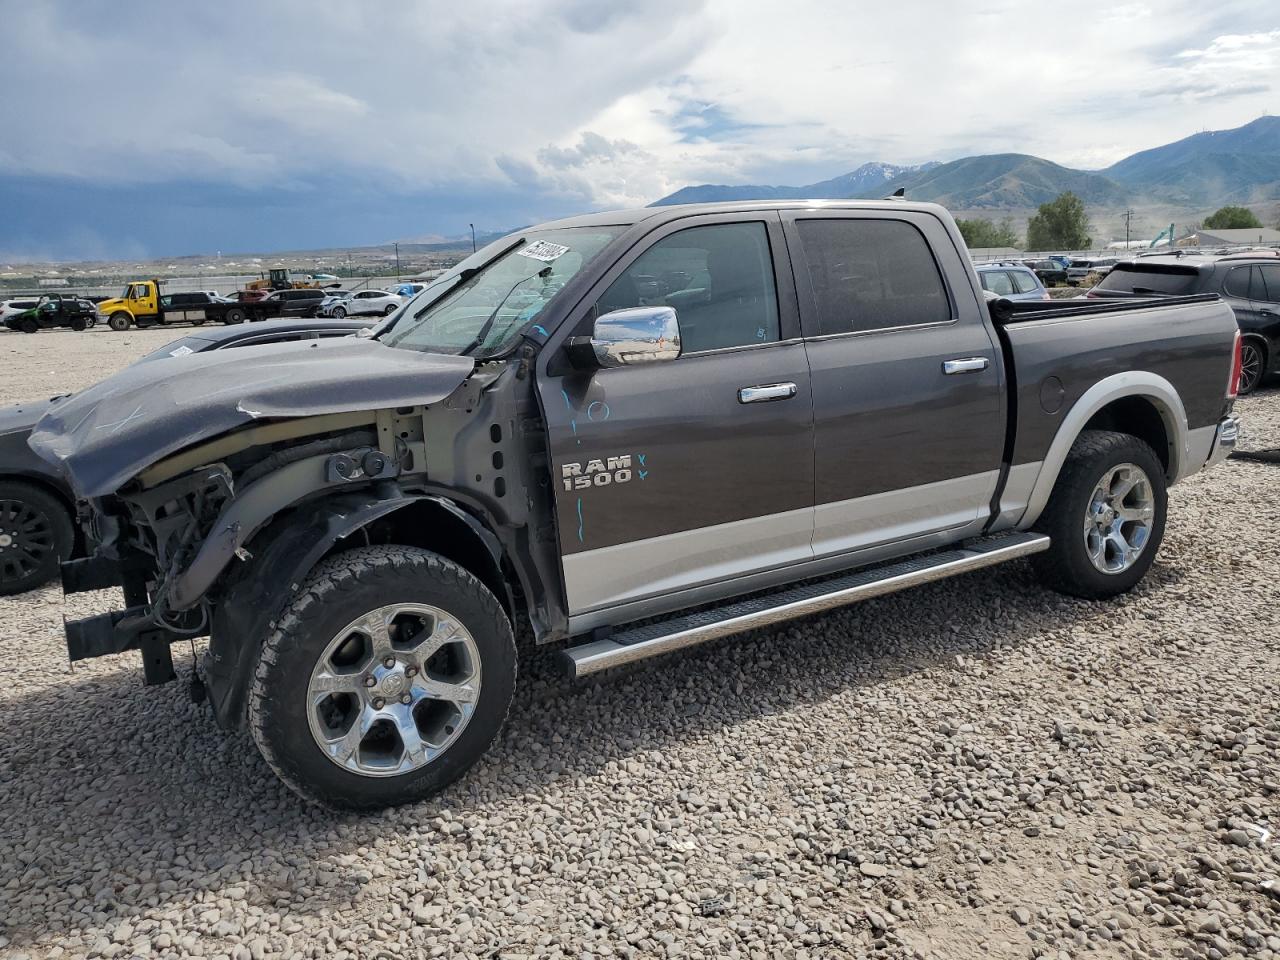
[1232, 218]
[1060, 224]
[981, 232]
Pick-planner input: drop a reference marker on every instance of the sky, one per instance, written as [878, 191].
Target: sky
[147, 128]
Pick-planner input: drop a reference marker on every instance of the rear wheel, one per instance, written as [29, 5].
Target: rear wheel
[1105, 517]
[384, 681]
[119, 321]
[36, 534]
[234, 315]
[1253, 364]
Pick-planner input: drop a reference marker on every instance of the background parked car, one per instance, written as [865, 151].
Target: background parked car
[11, 308]
[376, 302]
[1012, 281]
[408, 289]
[54, 311]
[1050, 272]
[1249, 282]
[334, 304]
[36, 501]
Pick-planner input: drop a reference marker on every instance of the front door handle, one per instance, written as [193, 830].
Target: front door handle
[966, 365]
[767, 391]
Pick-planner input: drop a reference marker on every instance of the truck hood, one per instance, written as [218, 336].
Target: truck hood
[104, 305]
[104, 436]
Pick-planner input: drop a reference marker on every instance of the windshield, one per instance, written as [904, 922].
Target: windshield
[480, 310]
[1146, 278]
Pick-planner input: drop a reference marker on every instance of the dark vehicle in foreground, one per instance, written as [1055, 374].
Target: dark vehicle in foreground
[1249, 282]
[54, 311]
[37, 506]
[814, 407]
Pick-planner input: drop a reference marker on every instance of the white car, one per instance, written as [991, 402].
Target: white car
[10, 307]
[372, 302]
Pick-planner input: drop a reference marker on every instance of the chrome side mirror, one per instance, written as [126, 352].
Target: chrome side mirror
[636, 335]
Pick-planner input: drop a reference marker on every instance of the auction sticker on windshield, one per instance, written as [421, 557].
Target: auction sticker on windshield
[543, 250]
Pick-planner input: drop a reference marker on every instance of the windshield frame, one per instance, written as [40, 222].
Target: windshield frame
[478, 264]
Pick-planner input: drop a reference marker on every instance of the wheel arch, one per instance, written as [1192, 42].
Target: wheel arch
[1136, 402]
[284, 552]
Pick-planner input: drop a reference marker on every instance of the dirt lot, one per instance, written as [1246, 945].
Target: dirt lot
[976, 768]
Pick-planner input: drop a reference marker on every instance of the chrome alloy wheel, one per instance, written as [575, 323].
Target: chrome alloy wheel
[393, 690]
[1119, 518]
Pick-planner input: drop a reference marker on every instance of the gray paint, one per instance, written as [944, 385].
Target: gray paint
[656, 566]
[1187, 346]
[105, 435]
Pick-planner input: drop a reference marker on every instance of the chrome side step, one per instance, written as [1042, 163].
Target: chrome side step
[665, 636]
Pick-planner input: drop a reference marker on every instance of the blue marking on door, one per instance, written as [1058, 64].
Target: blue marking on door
[580, 520]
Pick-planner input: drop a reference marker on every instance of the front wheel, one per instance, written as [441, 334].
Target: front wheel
[390, 309]
[118, 322]
[339, 313]
[384, 681]
[36, 534]
[1105, 518]
[29, 325]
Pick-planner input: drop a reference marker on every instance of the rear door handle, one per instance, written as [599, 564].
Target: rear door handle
[767, 391]
[965, 365]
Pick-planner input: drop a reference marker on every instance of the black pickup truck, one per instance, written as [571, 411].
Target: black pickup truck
[628, 433]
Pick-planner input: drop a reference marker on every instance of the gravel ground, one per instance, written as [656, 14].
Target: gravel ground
[975, 768]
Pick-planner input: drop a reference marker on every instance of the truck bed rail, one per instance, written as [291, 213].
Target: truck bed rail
[1023, 311]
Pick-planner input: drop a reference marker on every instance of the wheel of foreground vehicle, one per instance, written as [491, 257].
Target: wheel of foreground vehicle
[339, 313]
[36, 534]
[384, 681]
[118, 322]
[234, 315]
[1105, 517]
[1253, 361]
[29, 325]
[390, 309]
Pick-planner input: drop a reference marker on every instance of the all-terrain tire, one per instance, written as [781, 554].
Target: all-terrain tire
[119, 321]
[1066, 566]
[339, 591]
[36, 535]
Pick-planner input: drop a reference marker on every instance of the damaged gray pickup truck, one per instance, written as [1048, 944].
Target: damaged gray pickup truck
[625, 434]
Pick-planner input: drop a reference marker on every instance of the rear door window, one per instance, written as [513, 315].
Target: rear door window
[871, 274]
[1238, 282]
[998, 282]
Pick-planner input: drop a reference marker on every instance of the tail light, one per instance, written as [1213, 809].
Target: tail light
[1237, 368]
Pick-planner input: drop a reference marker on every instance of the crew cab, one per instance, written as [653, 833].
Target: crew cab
[624, 434]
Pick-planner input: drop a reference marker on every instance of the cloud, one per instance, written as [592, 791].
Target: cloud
[549, 107]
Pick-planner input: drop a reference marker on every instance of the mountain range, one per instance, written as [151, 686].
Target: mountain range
[1206, 169]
